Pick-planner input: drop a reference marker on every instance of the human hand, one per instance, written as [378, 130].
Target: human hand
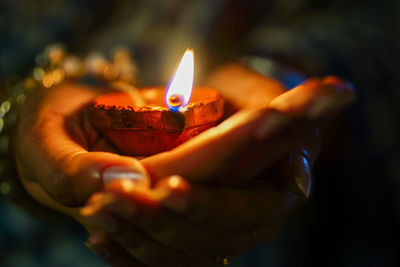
[55, 147]
[60, 157]
[55, 150]
[55, 143]
[212, 221]
[268, 124]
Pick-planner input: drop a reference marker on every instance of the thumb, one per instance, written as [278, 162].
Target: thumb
[65, 170]
[87, 172]
[52, 144]
[71, 181]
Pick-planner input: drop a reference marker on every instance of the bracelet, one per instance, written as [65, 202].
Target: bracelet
[53, 66]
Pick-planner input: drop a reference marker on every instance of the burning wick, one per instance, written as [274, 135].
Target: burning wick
[174, 101]
[179, 91]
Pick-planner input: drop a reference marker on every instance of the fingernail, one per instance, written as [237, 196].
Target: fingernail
[339, 84]
[301, 179]
[271, 124]
[121, 172]
[298, 187]
[94, 244]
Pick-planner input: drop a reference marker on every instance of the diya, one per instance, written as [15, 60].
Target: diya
[152, 120]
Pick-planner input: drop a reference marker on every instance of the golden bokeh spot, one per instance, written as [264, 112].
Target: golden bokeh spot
[21, 98]
[5, 107]
[5, 188]
[58, 76]
[56, 55]
[48, 80]
[38, 73]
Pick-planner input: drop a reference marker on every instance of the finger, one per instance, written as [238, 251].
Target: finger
[301, 175]
[111, 252]
[75, 174]
[241, 209]
[204, 239]
[139, 243]
[169, 230]
[153, 252]
[315, 99]
[214, 150]
[294, 171]
[300, 164]
[54, 153]
[235, 138]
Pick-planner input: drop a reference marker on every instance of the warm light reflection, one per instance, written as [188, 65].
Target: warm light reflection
[174, 181]
[180, 89]
[127, 185]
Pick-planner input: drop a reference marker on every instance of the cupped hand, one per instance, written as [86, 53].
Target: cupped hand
[58, 164]
[221, 220]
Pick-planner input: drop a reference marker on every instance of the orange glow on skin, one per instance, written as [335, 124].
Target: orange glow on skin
[174, 182]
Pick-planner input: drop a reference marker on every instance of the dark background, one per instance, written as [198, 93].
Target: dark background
[352, 218]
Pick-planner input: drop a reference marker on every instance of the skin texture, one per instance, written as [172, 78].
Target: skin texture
[216, 195]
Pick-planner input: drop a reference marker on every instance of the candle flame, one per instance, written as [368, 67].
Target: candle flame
[180, 89]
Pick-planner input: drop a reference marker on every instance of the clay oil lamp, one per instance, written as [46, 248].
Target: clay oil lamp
[143, 122]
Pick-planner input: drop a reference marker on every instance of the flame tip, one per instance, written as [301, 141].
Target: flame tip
[182, 83]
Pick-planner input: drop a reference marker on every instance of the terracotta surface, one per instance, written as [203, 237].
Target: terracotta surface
[153, 128]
